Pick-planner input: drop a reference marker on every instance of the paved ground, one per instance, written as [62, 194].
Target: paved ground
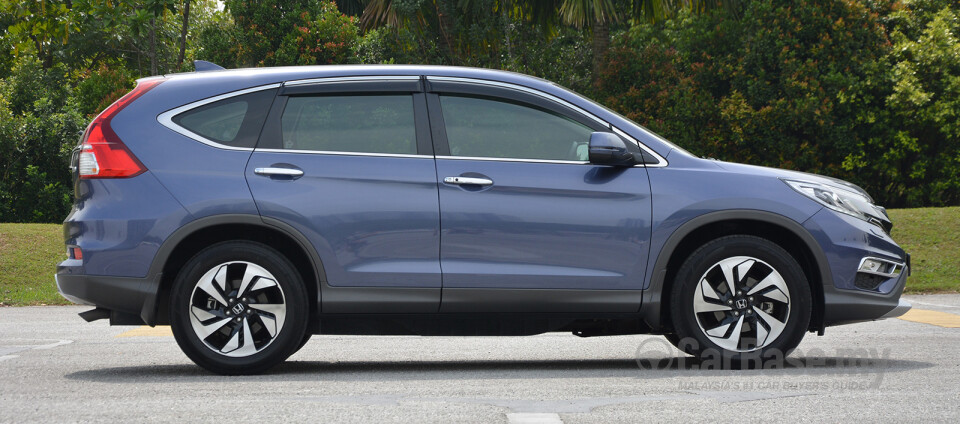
[54, 367]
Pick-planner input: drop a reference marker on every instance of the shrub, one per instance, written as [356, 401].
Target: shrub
[914, 152]
[329, 37]
[38, 128]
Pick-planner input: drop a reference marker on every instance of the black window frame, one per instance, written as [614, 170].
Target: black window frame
[272, 135]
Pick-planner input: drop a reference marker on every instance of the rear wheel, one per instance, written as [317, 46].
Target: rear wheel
[740, 298]
[238, 308]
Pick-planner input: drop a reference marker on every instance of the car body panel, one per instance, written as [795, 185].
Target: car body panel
[544, 226]
[512, 248]
[374, 220]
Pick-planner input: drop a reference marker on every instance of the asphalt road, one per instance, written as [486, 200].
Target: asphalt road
[54, 367]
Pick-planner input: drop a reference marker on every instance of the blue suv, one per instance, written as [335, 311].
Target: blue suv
[252, 208]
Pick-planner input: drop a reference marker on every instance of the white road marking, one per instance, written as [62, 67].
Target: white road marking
[534, 418]
[18, 346]
[933, 304]
[53, 345]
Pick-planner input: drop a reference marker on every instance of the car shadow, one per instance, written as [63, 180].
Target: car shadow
[663, 368]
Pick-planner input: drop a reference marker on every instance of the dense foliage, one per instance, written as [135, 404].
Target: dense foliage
[863, 90]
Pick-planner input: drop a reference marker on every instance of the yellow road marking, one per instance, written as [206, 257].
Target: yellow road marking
[147, 331]
[940, 319]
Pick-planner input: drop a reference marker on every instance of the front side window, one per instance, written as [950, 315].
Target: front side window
[357, 124]
[482, 127]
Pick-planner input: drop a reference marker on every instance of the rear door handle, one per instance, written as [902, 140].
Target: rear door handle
[468, 180]
[285, 172]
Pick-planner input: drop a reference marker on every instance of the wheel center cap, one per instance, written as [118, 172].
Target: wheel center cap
[741, 303]
[238, 308]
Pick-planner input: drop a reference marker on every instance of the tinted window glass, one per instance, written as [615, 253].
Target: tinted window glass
[235, 121]
[482, 127]
[363, 124]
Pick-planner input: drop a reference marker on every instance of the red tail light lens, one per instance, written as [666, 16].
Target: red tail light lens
[103, 154]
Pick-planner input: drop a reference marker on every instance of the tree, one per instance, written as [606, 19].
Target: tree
[41, 26]
[183, 31]
[599, 13]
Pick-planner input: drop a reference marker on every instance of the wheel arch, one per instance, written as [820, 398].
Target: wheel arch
[187, 241]
[694, 233]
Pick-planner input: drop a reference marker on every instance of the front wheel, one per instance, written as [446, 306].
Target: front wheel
[742, 299]
[238, 308]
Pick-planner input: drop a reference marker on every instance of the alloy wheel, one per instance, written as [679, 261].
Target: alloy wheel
[742, 304]
[237, 309]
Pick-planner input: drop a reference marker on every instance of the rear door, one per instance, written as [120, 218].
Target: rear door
[527, 224]
[349, 164]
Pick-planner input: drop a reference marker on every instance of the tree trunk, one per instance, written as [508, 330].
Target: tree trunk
[506, 31]
[446, 32]
[601, 42]
[183, 32]
[153, 46]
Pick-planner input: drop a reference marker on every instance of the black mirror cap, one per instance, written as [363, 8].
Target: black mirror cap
[609, 149]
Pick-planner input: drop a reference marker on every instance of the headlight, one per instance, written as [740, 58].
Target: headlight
[835, 198]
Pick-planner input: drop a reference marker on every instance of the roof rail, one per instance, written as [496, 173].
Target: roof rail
[203, 66]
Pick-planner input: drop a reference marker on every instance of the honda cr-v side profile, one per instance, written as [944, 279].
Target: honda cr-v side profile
[250, 209]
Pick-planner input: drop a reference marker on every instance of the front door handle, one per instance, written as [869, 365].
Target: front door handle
[468, 180]
[283, 172]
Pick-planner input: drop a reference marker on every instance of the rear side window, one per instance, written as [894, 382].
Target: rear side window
[234, 121]
[357, 124]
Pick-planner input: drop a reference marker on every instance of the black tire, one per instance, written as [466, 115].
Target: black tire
[253, 339]
[761, 261]
[306, 338]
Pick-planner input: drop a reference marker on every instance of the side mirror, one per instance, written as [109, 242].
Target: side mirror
[609, 149]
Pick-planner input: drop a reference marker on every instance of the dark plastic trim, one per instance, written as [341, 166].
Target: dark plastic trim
[379, 300]
[167, 248]
[475, 300]
[843, 306]
[652, 298]
[131, 297]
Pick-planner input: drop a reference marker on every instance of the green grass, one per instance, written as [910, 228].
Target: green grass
[932, 236]
[29, 254]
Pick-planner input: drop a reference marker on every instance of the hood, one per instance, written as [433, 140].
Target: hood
[875, 214]
[794, 175]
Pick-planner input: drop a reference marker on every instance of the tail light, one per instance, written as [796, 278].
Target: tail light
[102, 153]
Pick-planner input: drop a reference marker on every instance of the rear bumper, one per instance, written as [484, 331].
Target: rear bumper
[129, 300]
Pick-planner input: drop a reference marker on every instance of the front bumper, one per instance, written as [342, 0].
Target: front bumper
[843, 306]
[846, 241]
[130, 301]
[901, 308]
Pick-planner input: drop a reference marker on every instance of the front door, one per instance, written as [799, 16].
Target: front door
[527, 224]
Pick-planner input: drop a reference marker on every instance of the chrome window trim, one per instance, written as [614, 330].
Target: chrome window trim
[335, 153]
[563, 162]
[527, 90]
[166, 118]
[661, 161]
[329, 80]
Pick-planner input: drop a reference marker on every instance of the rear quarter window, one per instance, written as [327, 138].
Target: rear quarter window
[235, 121]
